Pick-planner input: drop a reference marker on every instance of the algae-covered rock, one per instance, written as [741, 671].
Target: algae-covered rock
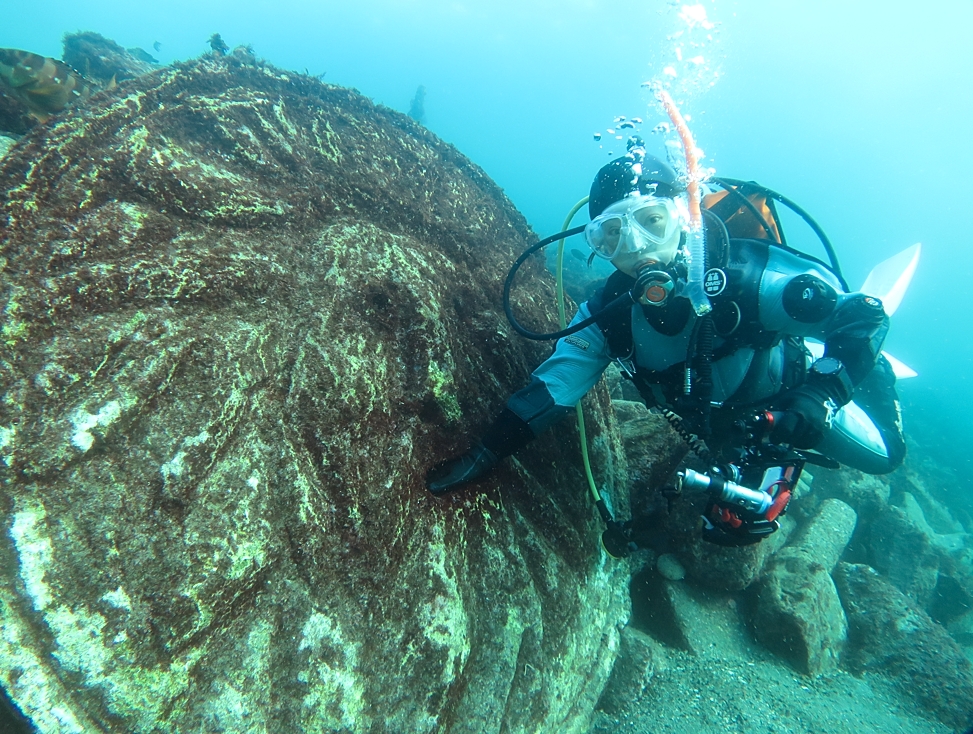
[102, 60]
[244, 312]
[890, 635]
[640, 658]
[653, 451]
[796, 610]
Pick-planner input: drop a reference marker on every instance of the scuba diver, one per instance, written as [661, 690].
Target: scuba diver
[739, 383]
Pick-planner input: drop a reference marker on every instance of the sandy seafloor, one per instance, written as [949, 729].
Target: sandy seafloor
[761, 695]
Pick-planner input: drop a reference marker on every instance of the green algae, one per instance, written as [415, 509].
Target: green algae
[441, 383]
[256, 340]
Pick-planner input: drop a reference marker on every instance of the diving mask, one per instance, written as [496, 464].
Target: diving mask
[637, 224]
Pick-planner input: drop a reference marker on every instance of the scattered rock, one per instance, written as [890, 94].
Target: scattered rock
[866, 494]
[656, 610]
[937, 515]
[653, 451]
[761, 695]
[627, 411]
[688, 617]
[796, 611]
[904, 553]
[952, 597]
[890, 635]
[932, 561]
[713, 566]
[961, 628]
[934, 483]
[826, 536]
[670, 568]
[797, 615]
[947, 539]
[640, 658]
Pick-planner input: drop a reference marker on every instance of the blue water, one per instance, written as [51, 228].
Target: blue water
[860, 112]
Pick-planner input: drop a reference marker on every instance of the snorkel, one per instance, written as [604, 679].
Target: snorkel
[696, 240]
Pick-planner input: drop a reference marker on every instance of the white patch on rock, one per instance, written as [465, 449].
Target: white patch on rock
[6, 143]
[83, 647]
[176, 465]
[334, 697]
[908, 623]
[444, 618]
[199, 438]
[80, 645]
[35, 687]
[83, 423]
[232, 709]
[118, 598]
[6, 439]
[35, 553]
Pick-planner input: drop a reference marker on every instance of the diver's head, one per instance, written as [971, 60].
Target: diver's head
[636, 219]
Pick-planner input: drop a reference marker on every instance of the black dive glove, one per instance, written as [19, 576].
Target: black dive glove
[807, 410]
[806, 413]
[508, 434]
[456, 472]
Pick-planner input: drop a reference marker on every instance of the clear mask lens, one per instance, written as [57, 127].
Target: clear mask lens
[633, 224]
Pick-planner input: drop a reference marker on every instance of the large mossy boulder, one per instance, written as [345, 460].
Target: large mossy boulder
[244, 312]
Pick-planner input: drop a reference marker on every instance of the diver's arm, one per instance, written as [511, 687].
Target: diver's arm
[819, 413]
[555, 388]
[802, 299]
[855, 334]
[563, 378]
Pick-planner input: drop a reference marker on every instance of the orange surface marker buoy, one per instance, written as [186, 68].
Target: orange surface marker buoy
[689, 147]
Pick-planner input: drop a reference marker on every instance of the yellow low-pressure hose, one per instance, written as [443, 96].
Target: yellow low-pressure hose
[562, 319]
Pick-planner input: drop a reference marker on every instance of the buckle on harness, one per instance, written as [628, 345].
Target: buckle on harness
[626, 365]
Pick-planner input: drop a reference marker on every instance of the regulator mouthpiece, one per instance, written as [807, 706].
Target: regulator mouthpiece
[654, 287]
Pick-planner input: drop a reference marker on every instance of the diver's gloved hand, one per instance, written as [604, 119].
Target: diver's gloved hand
[456, 472]
[809, 409]
[805, 416]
